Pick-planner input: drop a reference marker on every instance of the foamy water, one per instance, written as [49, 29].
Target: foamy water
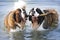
[19, 4]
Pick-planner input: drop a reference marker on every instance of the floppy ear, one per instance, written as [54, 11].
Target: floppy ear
[19, 10]
[17, 15]
[39, 11]
[24, 12]
[31, 10]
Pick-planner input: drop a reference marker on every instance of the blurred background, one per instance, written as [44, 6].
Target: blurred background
[7, 5]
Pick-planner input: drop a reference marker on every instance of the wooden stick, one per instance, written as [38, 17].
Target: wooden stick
[44, 14]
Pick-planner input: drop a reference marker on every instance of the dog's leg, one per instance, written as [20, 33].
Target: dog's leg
[8, 28]
[18, 24]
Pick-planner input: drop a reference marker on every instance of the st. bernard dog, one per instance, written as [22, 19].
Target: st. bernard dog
[48, 16]
[15, 18]
[35, 18]
[51, 19]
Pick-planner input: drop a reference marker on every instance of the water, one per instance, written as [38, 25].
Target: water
[6, 6]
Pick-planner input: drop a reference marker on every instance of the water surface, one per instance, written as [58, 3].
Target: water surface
[6, 6]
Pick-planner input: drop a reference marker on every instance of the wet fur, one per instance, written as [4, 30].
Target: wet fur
[12, 18]
[51, 18]
[36, 21]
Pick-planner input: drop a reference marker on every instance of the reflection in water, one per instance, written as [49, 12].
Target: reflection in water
[33, 35]
[17, 36]
[29, 35]
[37, 35]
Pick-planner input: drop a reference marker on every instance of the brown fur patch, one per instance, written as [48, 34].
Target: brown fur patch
[11, 20]
[51, 18]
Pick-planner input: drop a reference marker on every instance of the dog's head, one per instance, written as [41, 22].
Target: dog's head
[34, 16]
[20, 16]
[35, 12]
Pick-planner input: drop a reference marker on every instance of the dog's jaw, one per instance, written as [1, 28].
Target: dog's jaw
[35, 25]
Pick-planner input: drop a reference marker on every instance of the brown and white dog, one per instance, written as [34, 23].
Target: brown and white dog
[51, 18]
[35, 18]
[16, 18]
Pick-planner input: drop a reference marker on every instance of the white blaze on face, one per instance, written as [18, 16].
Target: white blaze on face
[19, 4]
[35, 14]
[30, 13]
[22, 14]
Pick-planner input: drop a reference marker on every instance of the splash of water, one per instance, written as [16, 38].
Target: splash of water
[41, 27]
[19, 4]
[15, 30]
